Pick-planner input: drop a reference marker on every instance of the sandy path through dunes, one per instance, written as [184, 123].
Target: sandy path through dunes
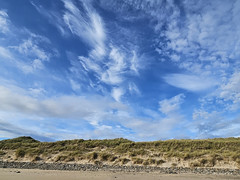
[32, 174]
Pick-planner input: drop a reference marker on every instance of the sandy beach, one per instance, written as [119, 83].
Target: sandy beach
[30, 174]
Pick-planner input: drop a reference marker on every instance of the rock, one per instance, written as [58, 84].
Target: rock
[115, 168]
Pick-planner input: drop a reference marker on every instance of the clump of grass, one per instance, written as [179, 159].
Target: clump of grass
[212, 161]
[238, 163]
[186, 156]
[98, 163]
[150, 161]
[34, 151]
[113, 158]
[2, 153]
[60, 158]
[203, 162]
[20, 153]
[139, 152]
[105, 156]
[203, 152]
[124, 160]
[64, 158]
[235, 156]
[158, 162]
[145, 162]
[36, 158]
[194, 164]
[92, 156]
[137, 160]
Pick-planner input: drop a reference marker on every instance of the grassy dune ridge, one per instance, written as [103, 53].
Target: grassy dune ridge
[220, 152]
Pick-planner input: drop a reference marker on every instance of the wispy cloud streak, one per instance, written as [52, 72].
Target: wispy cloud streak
[88, 26]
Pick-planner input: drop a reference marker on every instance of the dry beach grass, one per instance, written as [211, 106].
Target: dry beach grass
[217, 153]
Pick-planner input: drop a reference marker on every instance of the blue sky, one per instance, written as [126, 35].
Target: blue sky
[142, 70]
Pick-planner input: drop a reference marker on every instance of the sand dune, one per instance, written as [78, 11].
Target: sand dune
[33, 174]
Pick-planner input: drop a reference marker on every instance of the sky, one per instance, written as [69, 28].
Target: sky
[138, 69]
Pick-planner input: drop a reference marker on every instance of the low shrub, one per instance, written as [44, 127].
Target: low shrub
[20, 153]
[194, 164]
[174, 165]
[125, 160]
[2, 153]
[137, 161]
[158, 162]
[92, 156]
[105, 156]
[36, 158]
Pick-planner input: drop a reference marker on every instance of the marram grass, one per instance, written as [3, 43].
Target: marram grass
[200, 153]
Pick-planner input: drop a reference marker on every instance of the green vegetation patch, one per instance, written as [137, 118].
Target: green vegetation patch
[20, 153]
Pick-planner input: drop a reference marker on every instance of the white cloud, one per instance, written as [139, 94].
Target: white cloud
[4, 22]
[89, 65]
[37, 64]
[229, 92]
[88, 27]
[117, 93]
[232, 86]
[75, 86]
[30, 48]
[82, 69]
[191, 82]
[28, 55]
[5, 53]
[133, 89]
[120, 63]
[84, 21]
[207, 36]
[106, 131]
[69, 107]
[171, 105]
[9, 130]
[226, 96]
[198, 36]
[134, 63]
[217, 115]
[203, 33]
[157, 126]
[28, 68]
[31, 53]
[115, 68]
[214, 124]
[24, 67]
[96, 110]
[53, 17]
[208, 28]
[175, 57]
[37, 92]
[111, 72]
[152, 129]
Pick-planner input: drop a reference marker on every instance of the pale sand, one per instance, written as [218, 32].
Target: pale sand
[33, 174]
